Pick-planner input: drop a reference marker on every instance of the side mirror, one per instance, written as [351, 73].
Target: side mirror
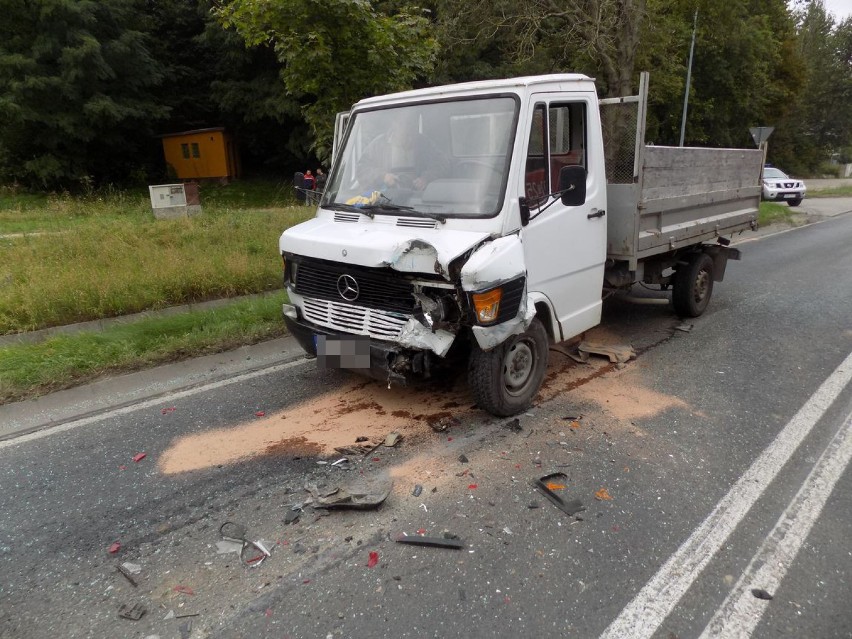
[572, 185]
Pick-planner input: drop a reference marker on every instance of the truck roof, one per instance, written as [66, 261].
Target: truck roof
[559, 80]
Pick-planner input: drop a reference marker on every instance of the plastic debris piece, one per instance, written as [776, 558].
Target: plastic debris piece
[228, 546]
[684, 328]
[513, 425]
[292, 516]
[438, 542]
[185, 629]
[760, 593]
[570, 508]
[114, 548]
[127, 575]
[392, 439]
[138, 457]
[169, 615]
[260, 413]
[533, 504]
[373, 560]
[442, 424]
[572, 418]
[463, 459]
[133, 612]
[342, 463]
[554, 486]
[472, 486]
[603, 495]
[362, 493]
[417, 490]
[421, 531]
[185, 590]
[361, 439]
[168, 410]
[183, 615]
[133, 569]
[617, 353]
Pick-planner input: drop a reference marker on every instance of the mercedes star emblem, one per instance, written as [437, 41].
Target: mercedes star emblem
[347, 287]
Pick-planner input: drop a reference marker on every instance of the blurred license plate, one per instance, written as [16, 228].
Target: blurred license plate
[789, 195]
[342, 352]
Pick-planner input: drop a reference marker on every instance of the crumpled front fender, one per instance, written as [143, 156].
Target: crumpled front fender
[493, 264]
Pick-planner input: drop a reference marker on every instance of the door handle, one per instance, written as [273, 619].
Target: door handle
[596, 213]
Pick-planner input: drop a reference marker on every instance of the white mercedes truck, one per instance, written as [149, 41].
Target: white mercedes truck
[473, 225]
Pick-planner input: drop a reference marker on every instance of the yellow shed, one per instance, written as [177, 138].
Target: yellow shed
[202, 153]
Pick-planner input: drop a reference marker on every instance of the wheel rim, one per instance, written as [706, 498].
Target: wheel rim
[518, 367]
[702, 285]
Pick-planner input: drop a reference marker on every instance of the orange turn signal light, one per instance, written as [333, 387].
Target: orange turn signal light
[487, 305]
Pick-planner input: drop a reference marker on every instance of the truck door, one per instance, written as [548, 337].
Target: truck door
[565, 246]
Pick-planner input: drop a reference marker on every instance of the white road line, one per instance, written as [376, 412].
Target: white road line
[647, 611]
[157, 401]
[741, 611]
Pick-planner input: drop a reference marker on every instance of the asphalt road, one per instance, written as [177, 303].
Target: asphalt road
[715, 463]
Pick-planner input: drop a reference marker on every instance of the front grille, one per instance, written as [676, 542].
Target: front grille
[377, 288]
[353, 319]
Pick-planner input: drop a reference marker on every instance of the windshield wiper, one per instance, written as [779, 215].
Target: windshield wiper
[340, 206]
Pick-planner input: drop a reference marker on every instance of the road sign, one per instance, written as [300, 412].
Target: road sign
[760, 134]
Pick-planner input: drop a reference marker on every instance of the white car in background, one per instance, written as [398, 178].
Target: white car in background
[778, 186]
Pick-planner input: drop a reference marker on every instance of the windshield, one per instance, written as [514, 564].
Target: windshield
[774, 174]
[440, 159]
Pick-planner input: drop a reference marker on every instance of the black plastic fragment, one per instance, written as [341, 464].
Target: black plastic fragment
[438, 542]
[570, 508]
[760, 593]
[133, 612]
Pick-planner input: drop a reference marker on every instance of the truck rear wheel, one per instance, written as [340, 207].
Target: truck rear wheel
[693, 286]
[505, 379]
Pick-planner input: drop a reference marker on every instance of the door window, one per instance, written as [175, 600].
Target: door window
[557, 139]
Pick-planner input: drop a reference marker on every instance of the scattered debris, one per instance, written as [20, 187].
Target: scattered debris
[603, 495]
[342, 464]
[185, 590]
[570, 508]
[760, 593]
[442, 424]
[392, 439]
[572, 418]
[354, 450]
[260, 413]
[373, 560]
[187, 614]
[292, 516]
[139, 457]
[127, 575]
[417, 490]
[361, 439]
[472, 486]
[533, 504]
[185, 629]
[169, 615]
[252, 553]
[168, 410]
[227, 546]
[114, 548]
[438, 542]
[361, 494]
[685, 328]
[617, 353]
[514, 425]
[463, 459]
[133, 569]
[571, 352]
[554, 486]
[133, 612]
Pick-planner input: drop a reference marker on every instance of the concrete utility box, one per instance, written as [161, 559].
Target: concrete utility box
[174, 200]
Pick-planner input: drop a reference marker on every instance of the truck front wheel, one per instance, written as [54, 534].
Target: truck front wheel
[505, 379]
[693, 286]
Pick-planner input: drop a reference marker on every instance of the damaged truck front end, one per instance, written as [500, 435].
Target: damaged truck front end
[398, 323]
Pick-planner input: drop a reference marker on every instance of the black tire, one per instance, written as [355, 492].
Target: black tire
[794, 202]
[693, 286]
[505, 380]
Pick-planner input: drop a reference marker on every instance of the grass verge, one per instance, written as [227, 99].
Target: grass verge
[63, 361]
[835, 191]
[772, 213]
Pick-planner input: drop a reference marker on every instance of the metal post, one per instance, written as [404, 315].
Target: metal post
[688, 79]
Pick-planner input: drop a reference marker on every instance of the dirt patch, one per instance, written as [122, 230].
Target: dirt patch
[318, 426]
[622, 395]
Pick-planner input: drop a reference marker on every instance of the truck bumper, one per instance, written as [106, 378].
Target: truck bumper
[389, 362]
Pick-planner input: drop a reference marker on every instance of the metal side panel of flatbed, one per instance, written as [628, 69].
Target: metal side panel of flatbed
[683, 196]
